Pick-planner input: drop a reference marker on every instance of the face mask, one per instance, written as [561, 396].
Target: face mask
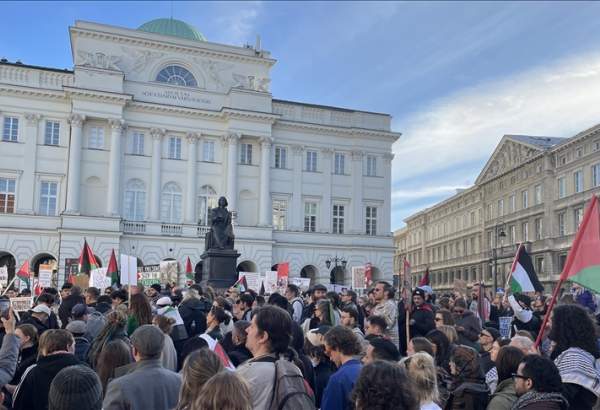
[315, 362]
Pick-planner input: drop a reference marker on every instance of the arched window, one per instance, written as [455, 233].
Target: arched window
[135, 200]
[206, 201]
[170, 204]
[176, 75]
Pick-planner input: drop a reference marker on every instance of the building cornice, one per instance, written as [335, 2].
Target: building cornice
[32, 92]
[342, 131]
[232, 113]
[96, 95]
[142, 39]
[590, 132]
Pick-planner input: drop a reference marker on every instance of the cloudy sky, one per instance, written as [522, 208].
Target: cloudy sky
[455, 76]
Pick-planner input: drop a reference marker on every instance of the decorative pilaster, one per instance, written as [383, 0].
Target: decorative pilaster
[231, 142]
[326, 208]
[297, 212]
[357, 192]
[265, 206]
[26, 197]
[387, 199]
[157, 135]
[74, 169]
[192, 164]
[114, 167]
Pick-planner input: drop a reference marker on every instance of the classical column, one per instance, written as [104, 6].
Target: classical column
[74, 171]
[114, 168]
[192, 165]
[387, 192]
[156, 135]
[264, 216]
[326, 207]
[357, 193]
[231, 142]
[26, 197]
[297, 213]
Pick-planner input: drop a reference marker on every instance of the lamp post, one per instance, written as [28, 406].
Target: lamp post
[337, 261]
[498, 233]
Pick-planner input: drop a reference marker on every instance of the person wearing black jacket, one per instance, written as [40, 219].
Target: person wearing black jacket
[193, 312]
[56, 349]
[421, 317]
[64, 311]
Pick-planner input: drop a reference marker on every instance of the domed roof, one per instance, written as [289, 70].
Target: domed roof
[172, 27]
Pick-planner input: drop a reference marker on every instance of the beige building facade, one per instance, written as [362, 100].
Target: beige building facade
[532, 190]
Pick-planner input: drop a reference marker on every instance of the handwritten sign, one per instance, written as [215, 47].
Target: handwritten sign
[99, 279]
[3, 276]
[504, 325]
[253, 280]
[359, 278]
[21, 304]
[45, 276]
[302, 283]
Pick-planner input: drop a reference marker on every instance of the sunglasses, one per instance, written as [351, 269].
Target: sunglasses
[439, 319]
[519, 376]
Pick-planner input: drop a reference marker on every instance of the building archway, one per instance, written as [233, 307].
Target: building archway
[336, 276]
[42, 259]
[309, 271]
[6, 259]
[247, 266]
[198, 272]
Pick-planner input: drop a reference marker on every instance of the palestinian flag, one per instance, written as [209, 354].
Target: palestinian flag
[112, 271]
[283, 270]
[23, 274]
[425, 279]
[583, 262]
[523, 277]
[241, 284]
[189, 271]
[87, 260]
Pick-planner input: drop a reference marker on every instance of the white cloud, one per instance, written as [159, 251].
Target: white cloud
[554, 100]
[425, 192]
[238, 23]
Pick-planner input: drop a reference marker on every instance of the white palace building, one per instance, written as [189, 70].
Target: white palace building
[132, 147]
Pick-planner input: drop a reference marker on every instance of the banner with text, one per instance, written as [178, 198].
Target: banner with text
[253, 280]
[99, 279]
[45, 276]
[359, 278]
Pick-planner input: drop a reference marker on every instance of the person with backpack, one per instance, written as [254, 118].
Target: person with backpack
[342, 347]
[292, 293]
[275, 383]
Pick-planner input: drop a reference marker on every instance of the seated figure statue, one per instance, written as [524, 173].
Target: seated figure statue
[220, 235]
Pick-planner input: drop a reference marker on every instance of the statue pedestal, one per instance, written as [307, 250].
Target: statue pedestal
[219, 267]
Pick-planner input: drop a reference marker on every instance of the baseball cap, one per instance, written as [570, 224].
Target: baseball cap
[80, 309]
[164, 301]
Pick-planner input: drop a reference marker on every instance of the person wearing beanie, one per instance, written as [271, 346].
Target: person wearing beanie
[78, 329]
[74, 388]
[487, 337]
[149, 385]
[422, 319]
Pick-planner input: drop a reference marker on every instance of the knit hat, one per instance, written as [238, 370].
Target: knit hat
[74, 388]
[493, 332]
[419, 292]
[156, 287]
[77, 327]
[164, 301]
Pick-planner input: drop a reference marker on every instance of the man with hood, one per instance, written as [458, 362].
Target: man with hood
[422, 318]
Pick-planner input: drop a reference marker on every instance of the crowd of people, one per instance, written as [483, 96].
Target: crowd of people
[166, 347]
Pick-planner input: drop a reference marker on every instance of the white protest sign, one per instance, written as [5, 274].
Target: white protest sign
[99, 279]
[45, 276]
[21, 304]
[270, 282]
[302, 283]
[169, 271]
[150, 275]
[128, 270]
[253, 280]
[3, 276]
[504, 325]
[358, 277]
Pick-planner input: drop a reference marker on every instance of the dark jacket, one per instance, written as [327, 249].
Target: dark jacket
[40, 326]
[424, 321]
[471, 326]
[82, 345]
[323, 372]
[579, 397]
[193, 313]
[468, 395]
[533, 400]
[27, 357]
[239, 354]
[32, 392]
[337, 393]
[64, 311]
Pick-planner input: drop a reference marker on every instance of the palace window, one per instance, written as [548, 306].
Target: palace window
[338, 218]
[279, 214]
[137, 143]
[246, 154]
[538, 194]
[281, 157]
[578, 181]
[207, 200]
[371, 165]
[48, 195]
[174, 148]
[561, 224]
[11, 129]
[596, 175]
[310, 217]
[170, 203]
[51, 133]
[135, 200]
[525, 231]
[339, 163]
[578, 216]
[208, 151]
[562, 187]
[176, 75]
[538, 228]
[7, 195]
[311, 161]
[96, 138]
[371, 220]
[525, 199]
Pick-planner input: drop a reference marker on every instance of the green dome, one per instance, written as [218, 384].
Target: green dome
[172, 27]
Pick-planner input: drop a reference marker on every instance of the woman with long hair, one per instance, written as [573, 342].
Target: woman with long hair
[323, 315]
[214, 319]
[199, 366]
[169, 354]
[443, 317]
[384, 385]
[239, 353]
[422, 371]
[323, 367]
[225, 390]
[443, 350]
[575, 352]
[115, 354]
[469, 390]
[114, 329]
[140, 313]
[420, 344]
[507, 362]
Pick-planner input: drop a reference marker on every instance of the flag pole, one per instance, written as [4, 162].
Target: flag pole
[9, 284]
[512, 268]
[538, 340]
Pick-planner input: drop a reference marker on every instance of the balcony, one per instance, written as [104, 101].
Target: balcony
[171, 229]
[133, 227]
[201, 231]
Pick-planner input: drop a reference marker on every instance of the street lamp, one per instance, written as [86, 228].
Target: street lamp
[498, 233]
[336, 262]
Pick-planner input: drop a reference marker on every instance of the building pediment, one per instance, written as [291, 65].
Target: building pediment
[509, 154]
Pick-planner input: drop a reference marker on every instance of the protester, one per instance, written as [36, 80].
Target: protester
[323, 316]
[422, 371]
[55, 353]
[49, 300]
[349, 299]
[507, 363]
[450, 333]
[39, 317]
[469, 390]
[9, 351]
[317, 293]
[168, 356]
[420, 344]
[523, 343]
[149, 385]
[193, 310]
[314, 346]
[375, 326]
[441, 349]
[575, 354]
[467, 325]
[82, 345]
[387, 308]
[197, 369]
[244, 307]
[28, 351]
[421, 317]
[384, 386]
[341, 345]
[74, 388]
[91, 296]
[140, 313]
[215, 317]
[443, 317]
[487, 337]
[227, 324]
[292, 293]
[239, 353]
[583, 297]
[225, 390]
[115, 354]
[538, 385]
[379, 348]
[349, 318]
[114, 329]
[74, 298]
[523, 319]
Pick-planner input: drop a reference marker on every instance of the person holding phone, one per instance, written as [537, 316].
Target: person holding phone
[9, 352]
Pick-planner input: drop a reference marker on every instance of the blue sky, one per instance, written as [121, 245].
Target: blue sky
[455, 76]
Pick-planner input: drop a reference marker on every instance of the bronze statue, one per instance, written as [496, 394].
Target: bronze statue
[220, 235]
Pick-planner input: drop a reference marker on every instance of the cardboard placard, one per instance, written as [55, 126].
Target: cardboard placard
[270, 282]
[504, 323]
[99, 279]
[336, 288]
[253, 280]
[45, 276]
[129, 275]
[302, 283]
[3, 276]
[83, 281]
[149, 275]
[359, 278]
[22, 304]
[71, 267]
